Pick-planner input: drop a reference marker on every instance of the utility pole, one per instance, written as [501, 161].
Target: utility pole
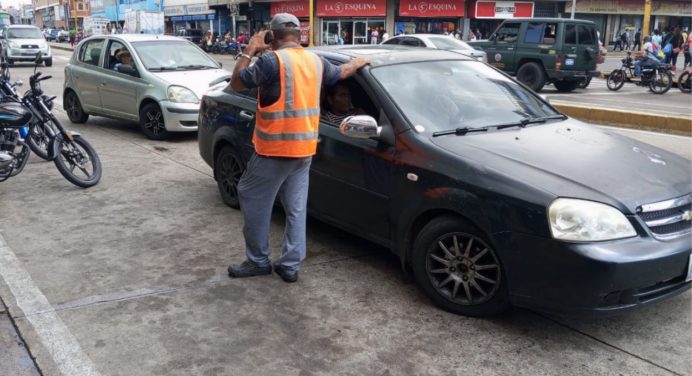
[312, 11]
[574, 6]
[647, 17]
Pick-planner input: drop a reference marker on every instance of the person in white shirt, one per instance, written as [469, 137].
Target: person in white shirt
[648, 57]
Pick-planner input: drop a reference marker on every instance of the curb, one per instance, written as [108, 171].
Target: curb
[679, 125]
[61, 47]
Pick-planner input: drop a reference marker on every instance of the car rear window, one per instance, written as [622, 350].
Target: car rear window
[570, 34]
[586, 35]
[540, 33]
[447, 43]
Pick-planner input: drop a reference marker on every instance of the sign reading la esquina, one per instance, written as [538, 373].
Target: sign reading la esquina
[371, 8]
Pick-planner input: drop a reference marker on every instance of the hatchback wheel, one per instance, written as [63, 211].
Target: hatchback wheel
[458, 269]
[228, 169]
[152, 123]
[74, 110]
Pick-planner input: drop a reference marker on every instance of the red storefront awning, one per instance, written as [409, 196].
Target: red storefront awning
[503, 9]
[298, 8]
[351, 8]
[431, 8]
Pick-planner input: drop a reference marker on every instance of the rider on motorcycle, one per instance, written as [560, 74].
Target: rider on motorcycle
[648, 57]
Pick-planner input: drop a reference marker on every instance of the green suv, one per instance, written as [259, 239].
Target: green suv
[544, 50]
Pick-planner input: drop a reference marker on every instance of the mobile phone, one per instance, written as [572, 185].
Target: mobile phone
[268, 37]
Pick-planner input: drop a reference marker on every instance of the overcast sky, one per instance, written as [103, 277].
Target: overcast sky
[14, 3]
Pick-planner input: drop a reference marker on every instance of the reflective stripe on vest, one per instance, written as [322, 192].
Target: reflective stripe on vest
[290, 126]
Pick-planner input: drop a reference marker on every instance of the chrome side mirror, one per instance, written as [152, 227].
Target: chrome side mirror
[360, 126]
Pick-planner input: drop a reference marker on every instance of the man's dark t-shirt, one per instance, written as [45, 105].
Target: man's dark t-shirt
[265, 75]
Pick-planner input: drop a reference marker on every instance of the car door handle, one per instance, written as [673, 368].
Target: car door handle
[510, 48]
[247, 115]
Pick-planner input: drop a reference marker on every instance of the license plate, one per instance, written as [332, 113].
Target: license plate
[569, 62]
[689, 270]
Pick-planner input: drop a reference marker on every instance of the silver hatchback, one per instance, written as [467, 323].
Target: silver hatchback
[155, 80]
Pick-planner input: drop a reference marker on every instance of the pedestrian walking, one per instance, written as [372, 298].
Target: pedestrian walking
[657, 39]
[675, 40]
[285, 139]
[687, 49]
[628, 40]
[637, 40]
[373, 36]
[478, 34]
[73, 36]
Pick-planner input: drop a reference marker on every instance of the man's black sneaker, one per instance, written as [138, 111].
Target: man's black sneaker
[285, 274]
[248, 269]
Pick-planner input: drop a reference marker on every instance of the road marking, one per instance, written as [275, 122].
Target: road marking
[52, 332]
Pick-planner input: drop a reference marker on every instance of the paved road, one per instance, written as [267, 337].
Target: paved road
[128, 278]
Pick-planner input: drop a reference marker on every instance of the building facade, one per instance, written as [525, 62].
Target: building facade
[115, 9]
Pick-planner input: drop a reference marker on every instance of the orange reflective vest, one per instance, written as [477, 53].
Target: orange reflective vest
[289, 127]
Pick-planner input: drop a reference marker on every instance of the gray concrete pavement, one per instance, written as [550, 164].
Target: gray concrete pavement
[133, 276]
[14, 359]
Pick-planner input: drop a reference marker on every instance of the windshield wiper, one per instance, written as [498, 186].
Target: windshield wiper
[195, 66]
[524, 122]
[162, 68]
[460, 131]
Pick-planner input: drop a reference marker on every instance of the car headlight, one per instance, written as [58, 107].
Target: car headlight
[580, 220]
[181, 94]
[14, 44]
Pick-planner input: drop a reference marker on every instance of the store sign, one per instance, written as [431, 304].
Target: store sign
[300, 8]
[431, 8]
[503, 9]
[351, 8]
[658, 8]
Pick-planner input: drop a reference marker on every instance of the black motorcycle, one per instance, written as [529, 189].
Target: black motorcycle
[657, 78]
[29, 124]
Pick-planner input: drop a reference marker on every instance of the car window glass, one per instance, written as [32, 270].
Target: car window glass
[446, 43]
[586, 35]
[570, 34]
[509, 33]
[413, 42]
[91, 52]
[172, 55]
[343, 99]
[392, 41]
[113, 49]
[474, 94]
[24, 33]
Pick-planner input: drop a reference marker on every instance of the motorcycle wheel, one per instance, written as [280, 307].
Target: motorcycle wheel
[685, 82]
[583, 84]
[661, 82]
[39, 139]
[78, 155]
[615, 80]
[22, 158]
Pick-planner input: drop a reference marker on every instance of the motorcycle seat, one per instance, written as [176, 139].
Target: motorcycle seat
[14, 115]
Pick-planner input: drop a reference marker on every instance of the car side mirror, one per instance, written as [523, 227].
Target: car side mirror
[128, 69]
[360, 126]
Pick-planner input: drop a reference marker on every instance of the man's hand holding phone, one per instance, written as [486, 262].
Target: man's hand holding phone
[258, 43]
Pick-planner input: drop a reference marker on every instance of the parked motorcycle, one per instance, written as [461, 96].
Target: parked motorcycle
[658, 78]
[23, 119]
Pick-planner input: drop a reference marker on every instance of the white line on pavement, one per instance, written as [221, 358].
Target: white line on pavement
[52, 332]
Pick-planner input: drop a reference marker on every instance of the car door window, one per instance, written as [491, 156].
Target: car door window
[540, 33]
[343, 99]
[411, 41]
[392, 41]
[586, 35]
[111, 60]
[91, 52]
[570, 34]
[508, 33]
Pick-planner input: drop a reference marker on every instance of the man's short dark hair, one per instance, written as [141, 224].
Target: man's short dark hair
[282, 34]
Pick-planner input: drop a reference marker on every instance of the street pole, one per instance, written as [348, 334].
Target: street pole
[647, 17]
[312, 5]
[574, 6]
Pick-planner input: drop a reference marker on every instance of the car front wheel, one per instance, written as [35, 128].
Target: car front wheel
[152, 122]
[228, 169]
[458, 269]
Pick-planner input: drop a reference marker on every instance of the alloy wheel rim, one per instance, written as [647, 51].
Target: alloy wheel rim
[463, 269]
[153, 122]
[72, 107]
[230, 175]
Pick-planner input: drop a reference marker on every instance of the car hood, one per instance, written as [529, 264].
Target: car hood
[199, 81]
[573, 159]
[472, 53]
[36, 42]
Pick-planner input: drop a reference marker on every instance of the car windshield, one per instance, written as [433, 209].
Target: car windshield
[164, 55]
[24, 33]
[439, 95]
[447, 43]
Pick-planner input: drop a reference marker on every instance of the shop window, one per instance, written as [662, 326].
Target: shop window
[80, 6]
[570, 34]
[508, 33]
[586, 35]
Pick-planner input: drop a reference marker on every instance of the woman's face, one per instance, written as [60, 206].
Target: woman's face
[340, 101]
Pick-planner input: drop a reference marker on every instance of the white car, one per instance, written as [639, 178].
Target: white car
[438, 41]
[22, 42]
[155, 80]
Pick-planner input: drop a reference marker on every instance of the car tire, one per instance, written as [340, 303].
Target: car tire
[48, 62]
[565, 86]
[228, 169]
[532, 75]
[583, 84]
[74, 109]
[152, 123]
[447, 256]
